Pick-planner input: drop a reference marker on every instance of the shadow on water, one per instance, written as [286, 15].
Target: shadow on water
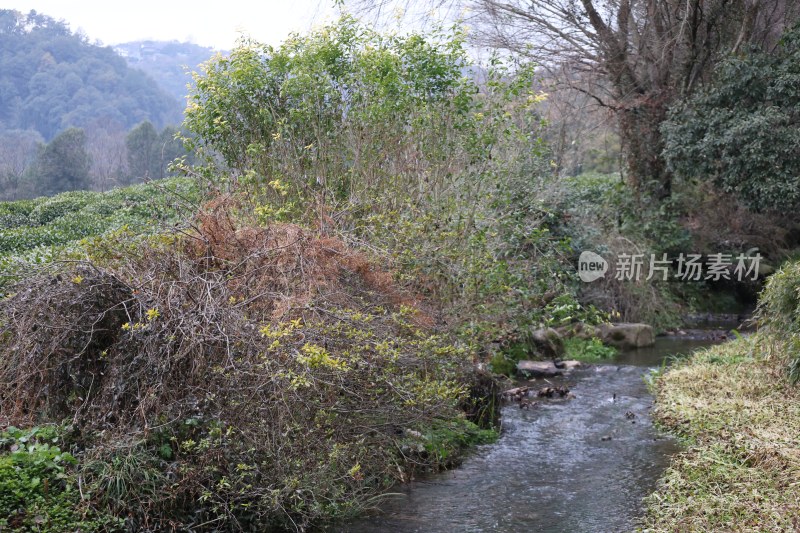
[666, 348]
[579, 465]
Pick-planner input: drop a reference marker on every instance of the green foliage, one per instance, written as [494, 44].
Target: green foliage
[38, 489]
[63, 164]
[779, 306]
[589, 350]
[741, 131]
[447, 439]
[503, 363]
[46, 210]
[151, 152]
[283, 117]
[142, 150]
[597, 213]
[601, 204]
[382, 138]
[779, 312]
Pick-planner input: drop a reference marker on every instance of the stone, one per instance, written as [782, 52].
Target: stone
[515, 394]
[627, 336]
[584, 331]
[546, 342]
[537, 369]
[552, 392]
[577, 329]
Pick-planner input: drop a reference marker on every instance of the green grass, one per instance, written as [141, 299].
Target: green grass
[447, 439]
[740, 419]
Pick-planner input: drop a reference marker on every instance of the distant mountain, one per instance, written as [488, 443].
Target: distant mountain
[167, 62]
[52, 79]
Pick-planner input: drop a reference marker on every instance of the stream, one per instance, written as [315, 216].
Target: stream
[565, 465]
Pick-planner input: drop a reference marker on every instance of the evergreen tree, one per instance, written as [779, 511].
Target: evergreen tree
[142, 144]
[63, 164]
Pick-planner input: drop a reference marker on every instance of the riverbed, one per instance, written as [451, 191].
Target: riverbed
[562, 465]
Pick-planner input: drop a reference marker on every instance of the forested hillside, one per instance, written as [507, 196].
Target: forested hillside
[75, 116]
[52, 79]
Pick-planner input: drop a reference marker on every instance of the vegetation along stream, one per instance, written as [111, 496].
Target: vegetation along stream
[561, 465]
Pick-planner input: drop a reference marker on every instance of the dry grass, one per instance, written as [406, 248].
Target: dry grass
[741, 421]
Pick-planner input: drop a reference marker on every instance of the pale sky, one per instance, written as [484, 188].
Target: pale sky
[209, 23]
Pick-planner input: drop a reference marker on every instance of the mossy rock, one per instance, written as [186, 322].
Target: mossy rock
[546, 343]
[627, 336]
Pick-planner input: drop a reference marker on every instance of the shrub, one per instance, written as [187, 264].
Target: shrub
[49, 209]
[38, 231]
[741, 131]
[382, 139]
[234, 375]
[779, 313]
[14, 214]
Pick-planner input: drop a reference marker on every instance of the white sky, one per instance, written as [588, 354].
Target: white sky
[209, 23]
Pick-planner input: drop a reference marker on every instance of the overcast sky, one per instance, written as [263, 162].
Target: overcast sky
[216, 24]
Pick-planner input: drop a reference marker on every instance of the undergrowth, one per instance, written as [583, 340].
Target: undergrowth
[39, 489]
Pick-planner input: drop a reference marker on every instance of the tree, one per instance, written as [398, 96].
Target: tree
[636, 57]
[105, 143]
[743, 130]
[645, 55]
[63, 164]
[581, 135]
[169, 147]
[17, 154]
[142, 152]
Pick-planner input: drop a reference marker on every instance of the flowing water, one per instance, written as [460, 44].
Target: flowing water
[568, 465]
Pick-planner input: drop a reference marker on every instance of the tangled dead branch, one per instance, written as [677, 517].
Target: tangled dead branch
[275, 374]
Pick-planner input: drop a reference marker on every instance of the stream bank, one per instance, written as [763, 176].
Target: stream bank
[741, 418]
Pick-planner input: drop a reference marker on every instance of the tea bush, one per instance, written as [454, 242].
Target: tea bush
[33, 232]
